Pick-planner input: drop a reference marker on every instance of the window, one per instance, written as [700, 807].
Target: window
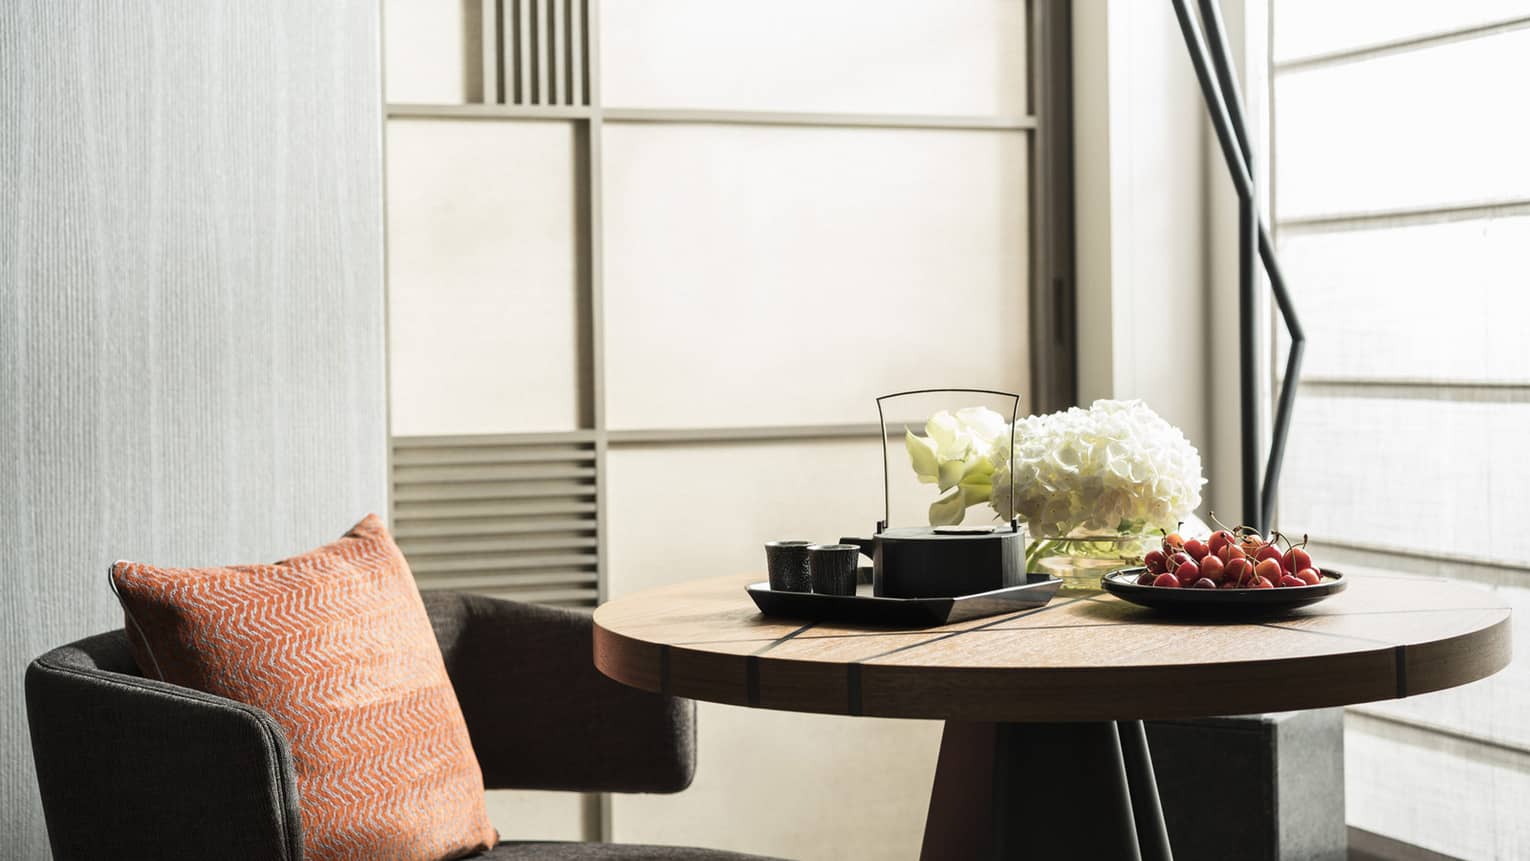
[1402, 208]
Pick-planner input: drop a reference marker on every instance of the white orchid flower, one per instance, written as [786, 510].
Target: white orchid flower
[956, 455]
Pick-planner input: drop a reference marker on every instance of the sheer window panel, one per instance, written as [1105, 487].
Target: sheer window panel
[433, 51]
[1433, 476]
[779, 275]
[1492, 709]
[1449, 795]
[1439, 302]
[1426, 128]
[1304, 28]
[482, 245]
[857, 56]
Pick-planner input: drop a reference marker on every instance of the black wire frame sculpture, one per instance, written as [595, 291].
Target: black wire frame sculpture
[1225, 105]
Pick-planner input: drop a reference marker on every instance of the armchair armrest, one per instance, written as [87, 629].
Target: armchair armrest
[163, 771]
[539, 713]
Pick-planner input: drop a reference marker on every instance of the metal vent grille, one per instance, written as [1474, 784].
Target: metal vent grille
[508, 516]
[543, 49]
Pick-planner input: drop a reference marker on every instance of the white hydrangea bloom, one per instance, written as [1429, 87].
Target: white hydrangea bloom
[1116, 466]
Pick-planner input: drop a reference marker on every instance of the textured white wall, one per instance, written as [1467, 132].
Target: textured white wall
[191, 317]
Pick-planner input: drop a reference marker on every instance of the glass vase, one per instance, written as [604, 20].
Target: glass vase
[1082, 558]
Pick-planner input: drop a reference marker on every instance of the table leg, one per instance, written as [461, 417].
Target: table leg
[1152, 835]
[1040, 790]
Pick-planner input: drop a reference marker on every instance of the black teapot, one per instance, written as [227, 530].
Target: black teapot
[943, 561]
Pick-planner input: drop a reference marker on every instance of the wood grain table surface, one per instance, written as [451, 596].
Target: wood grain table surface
[1082, 657]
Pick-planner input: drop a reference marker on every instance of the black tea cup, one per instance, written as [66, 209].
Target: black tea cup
[833, 568]
[787, 562]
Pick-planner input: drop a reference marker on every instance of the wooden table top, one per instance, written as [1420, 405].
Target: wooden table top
[1082, 657]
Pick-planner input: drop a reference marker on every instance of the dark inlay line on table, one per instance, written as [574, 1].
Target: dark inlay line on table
[664, 670]
[1400, 658]
[1278, 627]
[783, 638]
[999, 621]
[752, 680]
[916, 633]
[853, 680]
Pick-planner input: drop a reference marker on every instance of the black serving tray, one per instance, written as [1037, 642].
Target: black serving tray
[867, 609]
[1220, 602]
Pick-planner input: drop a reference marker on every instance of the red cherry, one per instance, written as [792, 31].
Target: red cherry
[1231, 552]
[1196, 548]
[1228, 583]
[1219, 539]
[1213, 568]
[1251, 544]
[1179, 559]
[1156, 561]
[1268, 569]
[1268, 551]
[1203, 583]
[1296, 559]
[1309, 576]
[1188, 572]
[1263, 583]
[1166, 579]
[1239, 573]
[1291, 580]
[1145, 578]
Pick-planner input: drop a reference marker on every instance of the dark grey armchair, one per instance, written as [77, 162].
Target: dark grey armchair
[130, 767]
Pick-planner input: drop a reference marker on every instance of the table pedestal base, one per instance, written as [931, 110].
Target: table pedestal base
[1045, 790]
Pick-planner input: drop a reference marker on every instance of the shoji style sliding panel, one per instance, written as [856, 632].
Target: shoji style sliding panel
[650, 262]
[930, 57]
[482, 264]
[783, 275]
[803, 205]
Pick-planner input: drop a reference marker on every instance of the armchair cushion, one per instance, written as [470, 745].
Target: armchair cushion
[336, 647]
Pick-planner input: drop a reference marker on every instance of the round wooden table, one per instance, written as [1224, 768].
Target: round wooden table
[1044, 751]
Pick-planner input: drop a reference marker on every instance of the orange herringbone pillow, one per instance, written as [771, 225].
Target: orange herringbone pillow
[334, 645]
